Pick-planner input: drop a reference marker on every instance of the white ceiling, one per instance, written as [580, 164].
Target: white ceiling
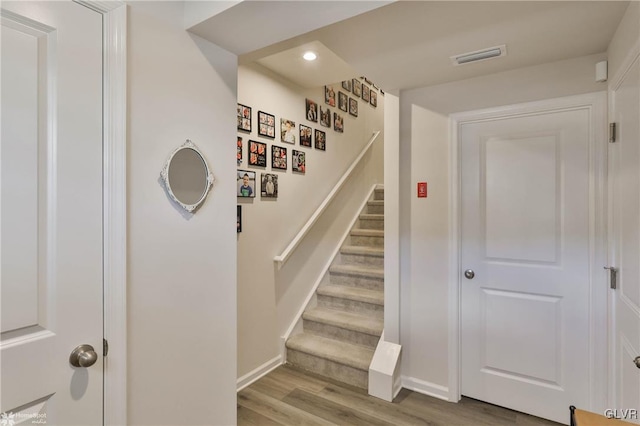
[408, 44]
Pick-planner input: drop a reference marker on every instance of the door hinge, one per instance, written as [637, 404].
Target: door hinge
[613, 276]
[105, 347]
[612, 132]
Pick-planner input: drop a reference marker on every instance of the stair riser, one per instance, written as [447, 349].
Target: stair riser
[378, 194]
[375, 209]
[342, 334]
[357, 281]
[360, 240]
[372, 224]
[327, 368]
[360, 259]
[375, 311]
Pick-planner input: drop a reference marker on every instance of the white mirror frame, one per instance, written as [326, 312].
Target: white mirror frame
[165, 177]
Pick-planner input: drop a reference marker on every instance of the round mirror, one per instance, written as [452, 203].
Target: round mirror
[187, 177]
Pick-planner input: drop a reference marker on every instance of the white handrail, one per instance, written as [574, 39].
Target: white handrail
[281, 259]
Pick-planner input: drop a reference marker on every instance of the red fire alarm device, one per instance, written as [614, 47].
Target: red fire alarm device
[422, 189]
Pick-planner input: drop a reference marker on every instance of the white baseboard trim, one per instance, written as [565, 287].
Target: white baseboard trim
[259, 372]
[426, 388]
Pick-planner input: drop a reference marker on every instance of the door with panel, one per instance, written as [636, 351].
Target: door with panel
[51, 213]
[624, 177]
[526, 219]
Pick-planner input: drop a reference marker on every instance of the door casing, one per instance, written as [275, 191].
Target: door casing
[596, 104]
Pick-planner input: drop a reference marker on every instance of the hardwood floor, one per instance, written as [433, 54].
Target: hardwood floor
[289, 396]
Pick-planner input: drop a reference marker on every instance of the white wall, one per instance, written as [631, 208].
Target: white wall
[182, 268]
[424, 156]
[626, 37]
[268, 299]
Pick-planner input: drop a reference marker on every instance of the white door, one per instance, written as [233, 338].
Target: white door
[624, 169]
[525, 203]
[51, 212]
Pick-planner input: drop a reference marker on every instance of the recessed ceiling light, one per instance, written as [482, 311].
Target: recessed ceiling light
[310, 56]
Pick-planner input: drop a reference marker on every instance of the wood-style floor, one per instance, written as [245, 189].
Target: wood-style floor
[289, 396]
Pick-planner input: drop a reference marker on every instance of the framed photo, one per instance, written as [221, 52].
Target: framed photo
[266, 125]
[239, 221]
[321, 140]
[244, 118]
[353, 107]
[325, 117]
[329, 96]
[287, 131]
[366, 93]
[269, 187]
[257, 154]
[346, 85]
[338, 123]
[343, 101]
[239, 151]
[305, 135]
[298, 161]
[312, 110]
[366, 80]
[246, 183]
[357, 87]
[278, 157]
[374, 99]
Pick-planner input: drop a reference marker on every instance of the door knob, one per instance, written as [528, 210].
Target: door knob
[469, 274]
[83, 356]
[636, 361]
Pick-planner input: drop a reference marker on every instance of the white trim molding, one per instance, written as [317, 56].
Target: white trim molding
[426, 388]
[259, 372]
[596, 104]
[114, 15]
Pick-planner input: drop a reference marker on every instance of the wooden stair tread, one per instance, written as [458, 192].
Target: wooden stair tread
[357, 294]
[355, 356]
[346, 320]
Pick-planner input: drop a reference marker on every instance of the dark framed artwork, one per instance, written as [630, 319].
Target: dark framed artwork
[246, 183]
[357, 87]
[321, 140]
[374, 99]
[257, 154]
[266, 125]
[366, 80]
[244, 118]
[346, 85]
[366, 93]
[353, 107]
[278, 157]
[298, 161]
[311, 110]
[239, 220]
[239, 151]
[325, 117]
[305, 135]
[329, 96]
[287, 131]
[269, 187]
[343, 101]
[338, 123]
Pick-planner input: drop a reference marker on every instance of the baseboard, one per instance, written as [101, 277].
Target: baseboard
[426, 388]
[259, 372]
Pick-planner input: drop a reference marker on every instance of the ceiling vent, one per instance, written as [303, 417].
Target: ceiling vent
[479, 55]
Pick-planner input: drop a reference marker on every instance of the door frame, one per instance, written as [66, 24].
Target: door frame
[614, 84]
[596, 104]
[114, 217]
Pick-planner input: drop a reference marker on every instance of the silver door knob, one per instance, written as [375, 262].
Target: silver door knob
[83, 356]
[469, 274]
[636, 361]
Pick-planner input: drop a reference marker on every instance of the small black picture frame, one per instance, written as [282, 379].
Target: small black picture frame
[244, 118]
[298, 161]
[257, 154]
[357, 87]
[353, 107]
[346, 85]
[266, 125]
[311, 109]
[239, 218]
[329, 96]
[374, 99]
[338, 122]
[325, 117]
[321, 140]
[269, 186]
[306, 134]
[246, 184]
[278, 157]
[343, 101]
[366, 93]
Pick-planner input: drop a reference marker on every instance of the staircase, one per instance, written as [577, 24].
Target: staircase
[342, 328]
